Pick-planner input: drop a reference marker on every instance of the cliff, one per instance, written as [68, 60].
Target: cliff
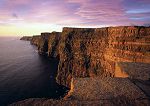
[101, 66]
[26, 38]
[53, 44]
[35, 40]
[47, 43]
[43, 43]
[87, 52]
[80, 55]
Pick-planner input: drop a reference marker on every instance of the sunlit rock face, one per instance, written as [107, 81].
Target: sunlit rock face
[35, 40]
[129, 44]
[129, 50]
[87, 52]
[81, 53]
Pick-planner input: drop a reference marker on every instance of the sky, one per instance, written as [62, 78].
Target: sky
[31, 17]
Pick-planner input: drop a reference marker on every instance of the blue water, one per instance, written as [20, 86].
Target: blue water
[26, 74]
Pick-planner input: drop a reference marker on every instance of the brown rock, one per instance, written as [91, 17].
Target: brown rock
[35, 40]
[104, 88]
[88, 52]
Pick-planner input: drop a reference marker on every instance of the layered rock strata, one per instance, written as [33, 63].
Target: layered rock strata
[81, 53]
[86, 52]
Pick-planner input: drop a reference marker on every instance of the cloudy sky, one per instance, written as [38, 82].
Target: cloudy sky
[28, 17]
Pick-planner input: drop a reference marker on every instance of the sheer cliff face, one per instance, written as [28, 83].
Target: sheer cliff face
[96, 52]
[81, 53]
[43, 43]
[53, 42]
[130, 44]
[47, 43]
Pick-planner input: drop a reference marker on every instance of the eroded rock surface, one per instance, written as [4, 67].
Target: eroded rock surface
[81, 53]
[104, 88]
[87, 52]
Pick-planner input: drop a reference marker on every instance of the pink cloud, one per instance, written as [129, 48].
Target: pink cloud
[18, 2]
[100, 10]
[70, 12]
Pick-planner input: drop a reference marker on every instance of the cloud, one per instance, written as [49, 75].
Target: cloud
[75, 12]
[100, 11]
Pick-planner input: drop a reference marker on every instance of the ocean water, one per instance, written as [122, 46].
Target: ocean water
[26, 74]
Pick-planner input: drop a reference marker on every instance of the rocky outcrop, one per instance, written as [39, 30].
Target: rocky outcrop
[133, 70]
[26, 38]
[106, 88]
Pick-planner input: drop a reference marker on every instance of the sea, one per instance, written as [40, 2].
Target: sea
[26, 74]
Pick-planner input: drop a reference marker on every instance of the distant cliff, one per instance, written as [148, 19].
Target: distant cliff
[47, 43]
[26, 38]
[36, 40]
